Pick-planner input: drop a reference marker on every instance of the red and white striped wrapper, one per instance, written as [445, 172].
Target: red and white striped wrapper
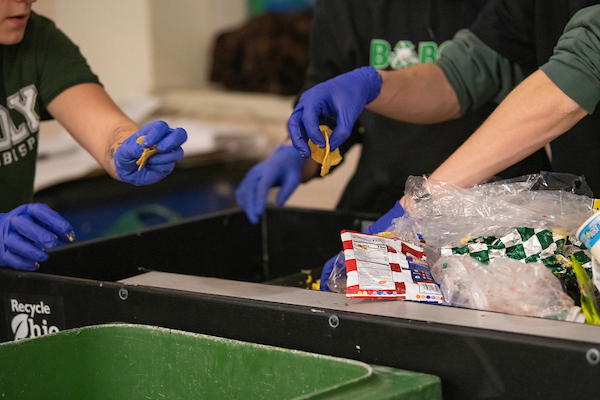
[386, 268]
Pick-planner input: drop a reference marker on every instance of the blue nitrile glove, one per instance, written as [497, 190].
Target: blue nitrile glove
[27, 231]
[282, 168]
[378, 226]
[385, 221]
[159, 165]
[327, 270]
[342, 98]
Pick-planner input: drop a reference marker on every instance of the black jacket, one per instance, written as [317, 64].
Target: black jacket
[392, 151]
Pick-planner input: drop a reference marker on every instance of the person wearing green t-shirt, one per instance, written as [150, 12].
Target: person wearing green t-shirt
[43, 76]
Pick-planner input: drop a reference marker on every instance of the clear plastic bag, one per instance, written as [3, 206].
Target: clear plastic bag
[337, 279]
[444, 214]
[504, 285]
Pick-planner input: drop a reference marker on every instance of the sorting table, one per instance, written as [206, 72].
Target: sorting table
[211, 275]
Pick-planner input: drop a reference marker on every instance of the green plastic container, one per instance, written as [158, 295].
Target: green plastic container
[123, 361]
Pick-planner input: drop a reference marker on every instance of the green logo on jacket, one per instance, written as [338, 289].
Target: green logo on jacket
[404, 54]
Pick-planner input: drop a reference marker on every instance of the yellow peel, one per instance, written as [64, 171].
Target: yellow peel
[325, 157]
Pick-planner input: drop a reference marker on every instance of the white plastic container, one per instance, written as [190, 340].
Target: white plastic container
[589, 234]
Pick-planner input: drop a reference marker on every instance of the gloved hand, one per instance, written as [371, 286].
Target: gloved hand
[385, 221]
[168, 145]
[342, 98]
[27, 231]
[378, 226]
[327, 270]
[282, 168]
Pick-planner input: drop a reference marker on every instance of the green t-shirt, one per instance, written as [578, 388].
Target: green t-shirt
[575, 65]
[33, 72]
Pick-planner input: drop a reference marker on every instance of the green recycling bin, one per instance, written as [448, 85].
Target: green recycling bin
[124, 361]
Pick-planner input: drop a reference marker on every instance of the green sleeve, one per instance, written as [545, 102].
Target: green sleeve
[477, 73]
[575, 65]
[60, 64]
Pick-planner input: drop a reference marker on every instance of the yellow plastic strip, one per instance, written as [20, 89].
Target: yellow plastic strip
[146, 154]
[325, 157]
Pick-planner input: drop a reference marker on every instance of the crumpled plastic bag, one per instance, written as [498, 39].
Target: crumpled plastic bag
[446, 215]
[504, 285]
[337, 279]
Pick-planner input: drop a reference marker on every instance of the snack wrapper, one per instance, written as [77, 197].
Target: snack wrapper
[529, 245]
[523, 244]
[387, 268]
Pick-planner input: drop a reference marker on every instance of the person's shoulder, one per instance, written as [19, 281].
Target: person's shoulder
[39, 22]
[38, 30]
[40, 27]
[41, 33]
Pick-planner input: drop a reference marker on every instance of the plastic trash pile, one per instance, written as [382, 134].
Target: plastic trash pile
[504, 246]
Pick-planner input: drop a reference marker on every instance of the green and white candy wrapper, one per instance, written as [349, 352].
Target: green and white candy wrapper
[530, 245]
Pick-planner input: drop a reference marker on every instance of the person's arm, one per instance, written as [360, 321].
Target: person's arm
[420, 94]
[533, 114]
[112, 138]
[467, 75]
[94, 120]
[543, 107]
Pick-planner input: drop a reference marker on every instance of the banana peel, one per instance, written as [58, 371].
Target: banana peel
[325, 157]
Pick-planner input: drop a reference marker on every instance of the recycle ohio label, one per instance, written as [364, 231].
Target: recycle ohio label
[29, 316]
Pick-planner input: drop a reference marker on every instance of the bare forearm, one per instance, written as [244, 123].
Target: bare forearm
[533, 114]
[94, 120]
[115, 137]
[420, 94]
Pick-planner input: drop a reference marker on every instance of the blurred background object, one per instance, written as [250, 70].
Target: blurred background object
[267, 54]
